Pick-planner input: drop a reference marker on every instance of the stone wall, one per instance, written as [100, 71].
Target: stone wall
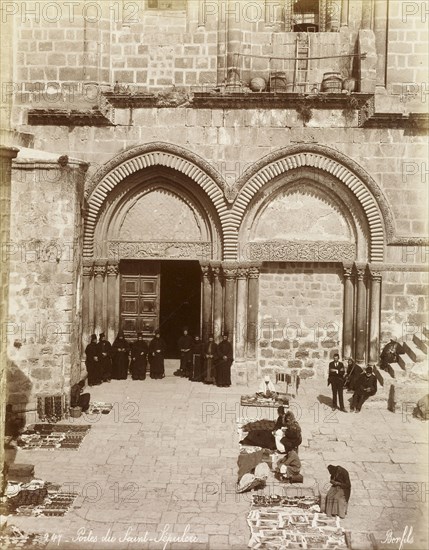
[405, 304]
[44, 306]
[300, 317]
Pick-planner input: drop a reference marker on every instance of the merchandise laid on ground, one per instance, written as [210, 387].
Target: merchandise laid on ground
[12, 537]
[36, 498]
[53, 436]
[259, 401]
[293, 523]
[99, 407]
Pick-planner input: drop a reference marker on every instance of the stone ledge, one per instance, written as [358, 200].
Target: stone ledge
[67, 117]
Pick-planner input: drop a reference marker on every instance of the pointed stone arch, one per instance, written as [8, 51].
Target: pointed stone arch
[320, 158]
[146, 156]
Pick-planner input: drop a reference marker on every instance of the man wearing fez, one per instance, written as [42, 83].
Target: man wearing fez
[225, 359]
[157, 349]
[336, 379]
[197, 359]
[185, 346]
[104, 350]
[92, 363]
[139, 351]
[210, 355]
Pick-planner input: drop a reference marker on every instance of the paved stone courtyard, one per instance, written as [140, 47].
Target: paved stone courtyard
[164, 461]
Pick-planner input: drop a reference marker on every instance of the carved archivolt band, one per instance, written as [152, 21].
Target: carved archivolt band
[320, 162]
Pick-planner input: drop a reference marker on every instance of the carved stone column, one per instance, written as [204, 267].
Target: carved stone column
[112, 319]
[218, 300]
[361, 316]
[99, 275]
[380, 32]
[230, 273]
[241, 322]
[207, 301]
[366, 14]
[234, 22]
[87, 314]
[252, 310]
[374, 316]
[348, 312]
[345, 13]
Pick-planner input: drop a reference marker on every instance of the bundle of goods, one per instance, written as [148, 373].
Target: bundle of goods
[293, 523]
[259, 401]
[12, 537]
[49, 437]
[99, 407]
[51, 408]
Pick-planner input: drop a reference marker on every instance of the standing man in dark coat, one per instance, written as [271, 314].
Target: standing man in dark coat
[365, 387]
[225, 359]
[139, 351]
[210, 355]
[352, 374]
[104, 350]
[92, 363]
[336, 379]
[157, 349]
[197, 359]
[120, 356]
[185, 346]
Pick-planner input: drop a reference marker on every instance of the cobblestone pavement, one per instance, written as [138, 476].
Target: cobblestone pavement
[164, 461]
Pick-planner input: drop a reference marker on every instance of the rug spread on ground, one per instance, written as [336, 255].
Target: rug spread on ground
[283, 523]
[53, 436]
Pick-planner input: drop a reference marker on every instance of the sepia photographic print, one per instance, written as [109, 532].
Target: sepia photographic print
[214, 322]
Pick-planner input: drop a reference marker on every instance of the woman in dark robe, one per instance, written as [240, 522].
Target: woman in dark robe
[157, 349]
[197, 359]
[225, 359]
[139, 351]
[339, 494]
[352, 374]
[292, 438]
[210, 355]
[92, 363]
[120, 357]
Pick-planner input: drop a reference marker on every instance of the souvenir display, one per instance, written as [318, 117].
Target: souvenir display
[50, 437]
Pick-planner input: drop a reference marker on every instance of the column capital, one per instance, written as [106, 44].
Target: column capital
[88, 269]
[113, 268]
[360, 270]
[374, 272]
[230, 269]
[254, 271]
[347, 270]
[205, 270]
[242, 272]
[100, 269]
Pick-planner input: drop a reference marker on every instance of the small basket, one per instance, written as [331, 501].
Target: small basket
[75, 412]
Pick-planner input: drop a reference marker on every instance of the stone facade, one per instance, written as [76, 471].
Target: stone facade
[298, 197]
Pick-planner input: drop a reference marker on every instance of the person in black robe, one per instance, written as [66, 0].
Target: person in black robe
[79, 399]
[336, 376]
[139, 351]
[365, 387]
[225, 359]
[210, 356]
[390, 354]
[104, 350]
[185, 346]
[352, 374]
[197, 359]
[92, 363]
[157, 349]
[120, 357]
[338, 496]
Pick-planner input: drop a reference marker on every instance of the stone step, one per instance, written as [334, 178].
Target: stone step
[421, 342]
[405, 362]
[413, 351]
[396, 371]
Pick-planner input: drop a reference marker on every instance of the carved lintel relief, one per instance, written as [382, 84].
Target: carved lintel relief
[158, 249]
[317, 251]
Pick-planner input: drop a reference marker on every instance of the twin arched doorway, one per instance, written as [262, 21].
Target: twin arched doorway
[297, 233]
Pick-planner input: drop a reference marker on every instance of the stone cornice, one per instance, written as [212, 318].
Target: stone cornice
[67, 117]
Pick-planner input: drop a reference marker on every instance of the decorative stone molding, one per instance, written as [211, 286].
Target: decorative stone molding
[320, 158]
[409, 241]
[141, 157]
[318, 251]
[68, 117]
[403, 267]
[160, 249]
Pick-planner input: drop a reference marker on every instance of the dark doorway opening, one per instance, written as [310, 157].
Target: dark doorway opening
[180, 302]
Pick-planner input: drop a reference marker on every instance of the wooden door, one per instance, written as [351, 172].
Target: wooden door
[140, 296]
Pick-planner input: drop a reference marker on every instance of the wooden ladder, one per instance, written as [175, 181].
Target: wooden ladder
[302, 65]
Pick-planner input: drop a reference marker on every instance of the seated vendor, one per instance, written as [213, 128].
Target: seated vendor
[281, 419]
[79, 399]
[266, 388]
[290, 465]
[292, 437]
